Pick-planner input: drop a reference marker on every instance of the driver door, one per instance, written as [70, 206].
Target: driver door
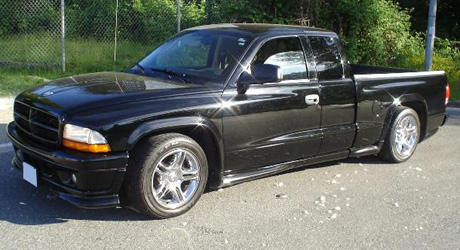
[272, 123]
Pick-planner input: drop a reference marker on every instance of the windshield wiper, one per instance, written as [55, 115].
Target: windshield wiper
[141, 69]
[172, 73]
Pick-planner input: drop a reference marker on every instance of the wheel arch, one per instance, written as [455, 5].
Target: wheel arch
[202, 130]
[413, 101]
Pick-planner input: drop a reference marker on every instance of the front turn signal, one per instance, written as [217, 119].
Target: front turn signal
[92, 148]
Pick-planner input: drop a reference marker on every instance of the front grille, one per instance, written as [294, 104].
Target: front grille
[36, 124]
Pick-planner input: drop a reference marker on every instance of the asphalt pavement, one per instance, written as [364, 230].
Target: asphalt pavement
[356, 203]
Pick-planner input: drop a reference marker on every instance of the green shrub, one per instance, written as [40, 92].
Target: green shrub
[446, 57]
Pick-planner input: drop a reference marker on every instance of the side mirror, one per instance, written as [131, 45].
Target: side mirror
[261, 73]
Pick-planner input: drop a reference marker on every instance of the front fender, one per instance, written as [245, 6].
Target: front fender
[188, 123]
[171, 124]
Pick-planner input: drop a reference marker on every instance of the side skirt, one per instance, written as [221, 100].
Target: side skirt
[235, 178]
[363, 151]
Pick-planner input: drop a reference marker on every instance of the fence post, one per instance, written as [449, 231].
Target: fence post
[178, 16]
[116, 34]
[430, 35]
[62, 36]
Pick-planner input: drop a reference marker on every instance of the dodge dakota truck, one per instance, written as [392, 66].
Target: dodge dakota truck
[215, 106]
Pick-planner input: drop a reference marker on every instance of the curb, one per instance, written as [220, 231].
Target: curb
[6, 103]
[454, 104]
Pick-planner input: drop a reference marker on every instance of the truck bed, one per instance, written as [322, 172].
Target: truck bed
[379, 90]
[361, 69]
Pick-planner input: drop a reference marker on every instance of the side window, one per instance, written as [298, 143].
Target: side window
[286, 53]
[328, 58]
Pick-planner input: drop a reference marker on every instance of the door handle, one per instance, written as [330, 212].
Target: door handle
[312, 99]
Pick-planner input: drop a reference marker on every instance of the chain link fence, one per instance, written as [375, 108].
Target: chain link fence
[29, 32]
[93, 35]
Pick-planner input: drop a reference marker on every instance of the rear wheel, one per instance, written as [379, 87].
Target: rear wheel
[166, 175]
[403, 136]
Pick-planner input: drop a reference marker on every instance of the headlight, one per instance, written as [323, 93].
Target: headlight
[84, 139]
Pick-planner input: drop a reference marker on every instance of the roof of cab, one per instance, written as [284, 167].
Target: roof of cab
[259, 28]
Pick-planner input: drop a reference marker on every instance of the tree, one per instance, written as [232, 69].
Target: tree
[447, 20]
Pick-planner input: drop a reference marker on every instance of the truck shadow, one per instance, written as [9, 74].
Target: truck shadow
[23, 204]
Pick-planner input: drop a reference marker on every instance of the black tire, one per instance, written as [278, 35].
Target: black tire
[145, 158]
[389, 151]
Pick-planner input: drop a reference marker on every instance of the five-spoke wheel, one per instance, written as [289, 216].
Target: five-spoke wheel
[175, 178]
[406, 136]
[402, 137]
[166, 175]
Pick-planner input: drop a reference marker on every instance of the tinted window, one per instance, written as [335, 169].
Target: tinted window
[286, 53]
[328, 58]
[190, 52]
[204, 54]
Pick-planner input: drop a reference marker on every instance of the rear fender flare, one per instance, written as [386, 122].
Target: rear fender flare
[392, 109]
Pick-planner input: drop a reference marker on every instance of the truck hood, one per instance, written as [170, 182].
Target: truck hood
[90, 91]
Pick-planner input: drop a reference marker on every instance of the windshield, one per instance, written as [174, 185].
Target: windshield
[208, 55]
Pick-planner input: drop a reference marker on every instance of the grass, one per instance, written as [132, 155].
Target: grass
[13, 83]
[89, 55]
[83, 56]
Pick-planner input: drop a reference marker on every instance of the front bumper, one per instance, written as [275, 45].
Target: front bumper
[85, 180]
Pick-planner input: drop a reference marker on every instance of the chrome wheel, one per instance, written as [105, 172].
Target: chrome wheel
[406, 136]
[176, 178]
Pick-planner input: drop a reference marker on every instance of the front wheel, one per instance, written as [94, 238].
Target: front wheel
[403, 136]
[166, 176]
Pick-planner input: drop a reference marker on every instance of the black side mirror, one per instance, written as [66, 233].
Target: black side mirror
[261, 73]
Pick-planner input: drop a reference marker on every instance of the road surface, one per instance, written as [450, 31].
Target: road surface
[350, 204]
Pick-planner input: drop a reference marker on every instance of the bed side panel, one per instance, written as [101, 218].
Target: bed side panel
[379, 94]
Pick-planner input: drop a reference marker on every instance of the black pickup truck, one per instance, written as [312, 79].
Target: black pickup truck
[214, 106]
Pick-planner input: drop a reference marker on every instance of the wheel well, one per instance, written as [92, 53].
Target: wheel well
[420, 108]
[206, 141]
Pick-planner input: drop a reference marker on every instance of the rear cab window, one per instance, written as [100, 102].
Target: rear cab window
[329, 63]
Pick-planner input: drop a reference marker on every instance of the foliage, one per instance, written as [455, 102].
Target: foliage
[374, 32]
[447, 17]
[147, 21]
[377, 31]
[27, 20]
[260, 11]
[446, 57]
